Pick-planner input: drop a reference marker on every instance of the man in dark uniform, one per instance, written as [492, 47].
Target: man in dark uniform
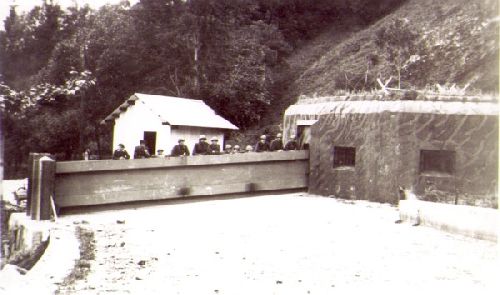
[262, 145]
[180, 149]
[214, 147]
[202, 147]
[291, 145]
[276, 144]
[120, 153]
[141, 152]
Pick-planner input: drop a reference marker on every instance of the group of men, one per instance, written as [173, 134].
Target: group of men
[140, 152]
[275, 145]
[202, 147]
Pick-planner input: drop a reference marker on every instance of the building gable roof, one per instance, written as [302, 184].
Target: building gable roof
[175, 111]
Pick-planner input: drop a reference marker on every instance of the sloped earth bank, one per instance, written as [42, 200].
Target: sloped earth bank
[278, 244]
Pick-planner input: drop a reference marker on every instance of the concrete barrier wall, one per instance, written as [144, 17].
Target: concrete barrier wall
[476, 222]
[80, 183]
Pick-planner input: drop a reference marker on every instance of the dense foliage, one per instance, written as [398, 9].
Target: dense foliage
[63, 71]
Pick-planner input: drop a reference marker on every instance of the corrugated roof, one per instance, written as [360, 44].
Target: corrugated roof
[176, 111]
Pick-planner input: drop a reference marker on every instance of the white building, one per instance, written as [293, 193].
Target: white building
[161, 120]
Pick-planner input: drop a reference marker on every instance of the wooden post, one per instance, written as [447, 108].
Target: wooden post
[47, 185]
[32, 161]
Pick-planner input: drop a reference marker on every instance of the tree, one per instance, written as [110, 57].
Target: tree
[27, 43]
[44, 119]
[243, 90]
[399, 41]
[230, 53]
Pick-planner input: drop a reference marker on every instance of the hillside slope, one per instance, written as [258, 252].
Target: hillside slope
[457, 41]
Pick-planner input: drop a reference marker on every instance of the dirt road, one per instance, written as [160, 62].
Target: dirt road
[288, 244]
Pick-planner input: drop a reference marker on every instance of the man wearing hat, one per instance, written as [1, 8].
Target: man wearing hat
[262, 145]
[141, 151]
[180, 149]
[120, 153]
[228, 149]
[214, 146]
[292, 144]
[277, 143]
[202, 147]
[237, 149]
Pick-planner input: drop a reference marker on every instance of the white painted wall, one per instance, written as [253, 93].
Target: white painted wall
[130, 126]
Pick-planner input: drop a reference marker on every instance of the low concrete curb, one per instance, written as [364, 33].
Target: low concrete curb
[27, 234]
[55, 264]
[476, 222]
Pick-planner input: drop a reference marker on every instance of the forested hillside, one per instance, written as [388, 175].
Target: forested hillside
[63, 71]
[446, 42]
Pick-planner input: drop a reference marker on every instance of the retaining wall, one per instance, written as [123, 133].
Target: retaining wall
[80, 183]
[476, 222]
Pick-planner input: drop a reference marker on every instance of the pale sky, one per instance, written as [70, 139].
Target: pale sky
[26, 5]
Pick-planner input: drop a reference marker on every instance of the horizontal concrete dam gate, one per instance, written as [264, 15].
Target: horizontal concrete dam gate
[83, 183]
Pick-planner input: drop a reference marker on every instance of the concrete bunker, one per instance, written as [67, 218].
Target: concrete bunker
[442, 148]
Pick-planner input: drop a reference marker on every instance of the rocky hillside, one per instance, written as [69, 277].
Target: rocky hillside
[446, 42]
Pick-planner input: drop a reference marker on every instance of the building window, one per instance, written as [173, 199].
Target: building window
[437, 161]
[344, 156]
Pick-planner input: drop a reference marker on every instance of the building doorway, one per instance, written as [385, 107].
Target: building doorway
[303, 133]
[150, 140]
[304, 136]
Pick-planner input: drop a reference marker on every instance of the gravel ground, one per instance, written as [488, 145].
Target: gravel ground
[280, 244]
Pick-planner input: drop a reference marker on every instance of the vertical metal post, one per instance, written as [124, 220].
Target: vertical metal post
[47, 185]
[35, 190]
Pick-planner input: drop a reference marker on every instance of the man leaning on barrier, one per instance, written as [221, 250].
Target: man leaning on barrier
[262, 145]
[120, 153]
[214, 147]
[140, 151]
[202, 147]
[291, 145]
[228, 149]
[276, 144]
[180, 149]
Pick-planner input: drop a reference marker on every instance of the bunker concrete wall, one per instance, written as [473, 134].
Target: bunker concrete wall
[474, 138]
[104, 182]
[388, 146]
